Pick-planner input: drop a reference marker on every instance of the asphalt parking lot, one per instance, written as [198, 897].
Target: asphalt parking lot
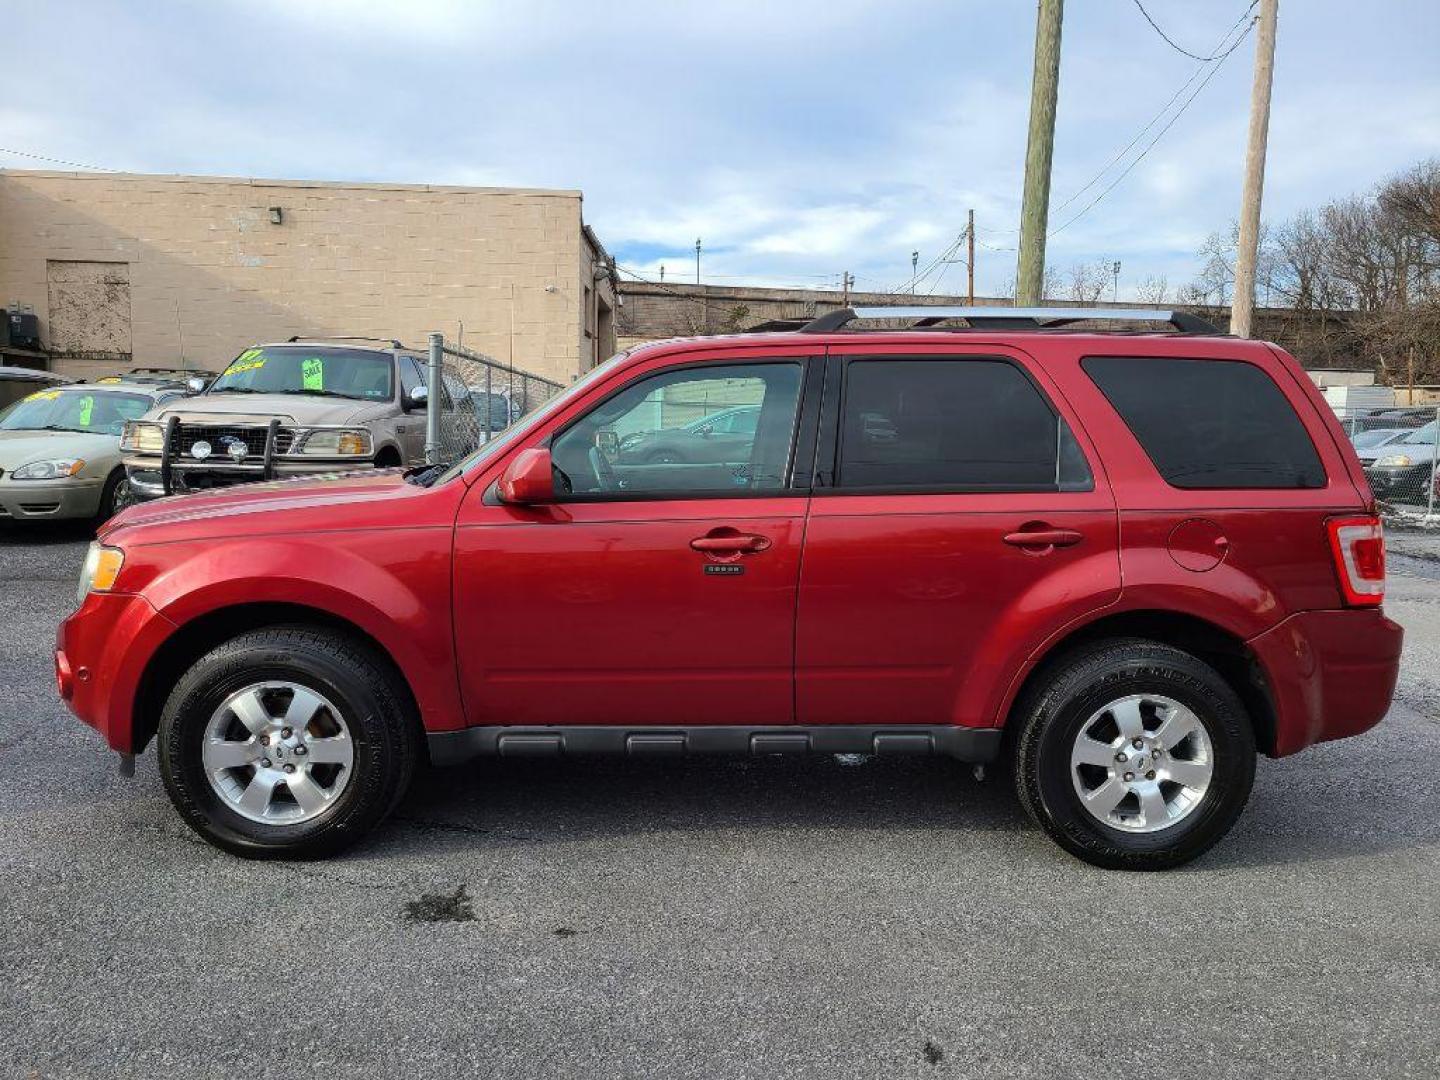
[712, 918]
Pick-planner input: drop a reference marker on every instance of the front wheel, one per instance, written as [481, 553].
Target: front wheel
[116, 496]
[286, 742]
[1134, 755]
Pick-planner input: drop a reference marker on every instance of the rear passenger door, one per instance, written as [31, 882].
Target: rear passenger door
[958, 517]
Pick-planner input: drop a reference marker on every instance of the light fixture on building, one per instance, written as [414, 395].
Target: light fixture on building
[277, 215]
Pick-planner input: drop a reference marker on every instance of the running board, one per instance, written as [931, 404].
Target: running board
[966, 744]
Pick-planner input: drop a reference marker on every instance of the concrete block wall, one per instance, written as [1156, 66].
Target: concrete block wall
[210, 272]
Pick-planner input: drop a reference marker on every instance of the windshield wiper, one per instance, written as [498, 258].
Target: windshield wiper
[322, 393]
[61, 427]
[233, 390]
[425, 475]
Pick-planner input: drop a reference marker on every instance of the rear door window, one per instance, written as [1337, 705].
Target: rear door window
[1209, 423]
[967, 424]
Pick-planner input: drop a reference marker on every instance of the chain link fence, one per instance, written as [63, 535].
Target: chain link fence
[1399, 447]
[476, 398]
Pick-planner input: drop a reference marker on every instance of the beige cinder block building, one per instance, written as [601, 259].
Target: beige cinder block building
[138, 270]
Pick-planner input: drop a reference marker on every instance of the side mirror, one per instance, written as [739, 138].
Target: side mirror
[607, 442]
[418, 397]
[195, 385]
[529, 479]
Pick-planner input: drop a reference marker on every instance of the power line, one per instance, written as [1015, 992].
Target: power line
[1215, 68]
[1170, 41]
[1120, 154]
[55, 161]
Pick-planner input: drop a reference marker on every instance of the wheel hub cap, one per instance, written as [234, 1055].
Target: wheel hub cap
[1142, 763]
[278, 753]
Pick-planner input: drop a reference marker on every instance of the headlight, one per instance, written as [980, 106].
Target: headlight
[54, 469]
[1394, 460]
[101, 568]
[142, 436]
[351, 442]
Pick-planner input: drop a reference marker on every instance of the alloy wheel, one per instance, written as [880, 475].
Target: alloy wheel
[278, 753]
[1142, 763]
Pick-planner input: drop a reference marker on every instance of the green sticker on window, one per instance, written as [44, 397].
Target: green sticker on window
[87, 409]
[312, 373]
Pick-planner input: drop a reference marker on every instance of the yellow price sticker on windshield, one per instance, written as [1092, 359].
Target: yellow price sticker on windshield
[239, 367]
[109, 380]
[312, 373]
[44, 395]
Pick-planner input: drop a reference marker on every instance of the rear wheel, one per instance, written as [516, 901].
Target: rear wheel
[1134, 755]
[286, 742]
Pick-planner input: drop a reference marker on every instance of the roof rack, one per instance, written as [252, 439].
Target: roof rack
[1003, 318]
[344, 337]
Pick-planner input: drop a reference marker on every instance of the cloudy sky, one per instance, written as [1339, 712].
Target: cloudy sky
[798, 139]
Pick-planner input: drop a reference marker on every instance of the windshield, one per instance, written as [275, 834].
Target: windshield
[1425, 435]
[526, 423]
[74, 409]
[310, 369]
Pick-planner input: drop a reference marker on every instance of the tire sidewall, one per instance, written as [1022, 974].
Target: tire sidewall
[207, 685]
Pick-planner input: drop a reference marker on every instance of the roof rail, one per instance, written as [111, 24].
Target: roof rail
[1006, 318]
[344, 337]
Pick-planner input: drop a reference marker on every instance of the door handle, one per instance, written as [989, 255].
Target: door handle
[734, 544]
[1038, 538]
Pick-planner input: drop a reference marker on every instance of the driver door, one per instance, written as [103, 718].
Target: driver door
[650, 594]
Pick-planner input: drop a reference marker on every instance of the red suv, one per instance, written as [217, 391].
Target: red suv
[1124, 562]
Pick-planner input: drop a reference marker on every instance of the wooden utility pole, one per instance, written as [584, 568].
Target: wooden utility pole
[970, 259]
[1035, 209]
[1242, 304]
[846, 281]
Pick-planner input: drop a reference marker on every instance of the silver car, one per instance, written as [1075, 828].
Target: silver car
[60, 449]
[292, 408]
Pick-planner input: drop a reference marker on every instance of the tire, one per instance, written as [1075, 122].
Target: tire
[117, 495]
[1089, 694]
[364, 715]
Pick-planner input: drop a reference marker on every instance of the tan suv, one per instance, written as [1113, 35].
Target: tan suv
[288, 409]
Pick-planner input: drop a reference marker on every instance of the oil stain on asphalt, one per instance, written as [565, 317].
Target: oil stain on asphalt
[441, 907]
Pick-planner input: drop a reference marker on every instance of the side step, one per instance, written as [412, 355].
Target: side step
[966, 744]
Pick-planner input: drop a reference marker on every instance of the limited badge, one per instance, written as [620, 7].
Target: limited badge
[725, 569]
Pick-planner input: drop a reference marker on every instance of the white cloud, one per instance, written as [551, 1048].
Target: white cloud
[799, 140]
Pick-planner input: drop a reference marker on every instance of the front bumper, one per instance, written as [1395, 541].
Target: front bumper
[101, 652]
[41, 500]
[147, 479]
[1399, 482]
[1331, 674]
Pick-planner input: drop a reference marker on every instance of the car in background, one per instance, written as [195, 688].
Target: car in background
[709, 439]
[195, 380]
[1368, 444]
[19, 382]
[60, 449]
[293, 408]
[1401, 471]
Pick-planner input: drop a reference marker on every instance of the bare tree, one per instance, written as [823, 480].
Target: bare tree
[1086, 282]
[1154, 289]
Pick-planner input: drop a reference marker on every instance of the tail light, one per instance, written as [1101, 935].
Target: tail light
[1358, 544]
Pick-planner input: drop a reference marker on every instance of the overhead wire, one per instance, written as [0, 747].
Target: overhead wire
[1171, 41]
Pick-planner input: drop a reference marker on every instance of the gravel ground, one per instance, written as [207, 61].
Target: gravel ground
[811, 918]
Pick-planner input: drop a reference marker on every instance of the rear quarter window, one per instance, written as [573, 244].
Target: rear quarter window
[1209, 423]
